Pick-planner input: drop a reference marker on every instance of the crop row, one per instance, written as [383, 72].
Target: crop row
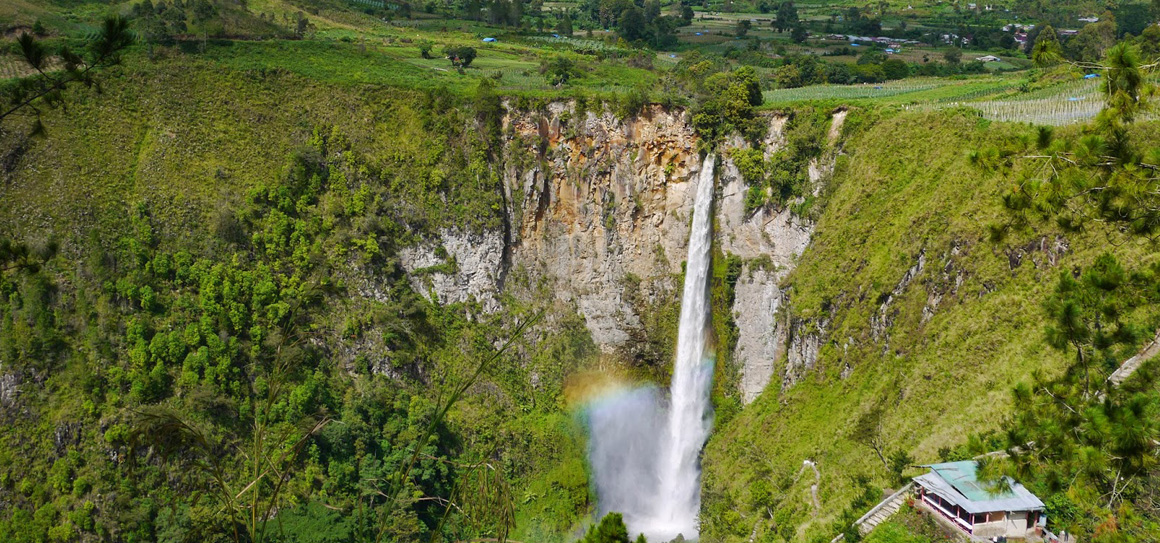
[12, 67]
[848, 92]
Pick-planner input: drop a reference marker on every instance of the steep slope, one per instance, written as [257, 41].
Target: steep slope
[267, 190]
[908, 326]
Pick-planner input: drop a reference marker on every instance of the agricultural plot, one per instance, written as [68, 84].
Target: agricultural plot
[998, 98]
[580, 45]
[971, 90]
[1080, 88]
[1064, 103]
[12, 66]
[906, 91]
[1047, 111]
[846, 92]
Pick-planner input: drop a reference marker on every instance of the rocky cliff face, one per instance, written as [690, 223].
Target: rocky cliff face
[458, 267]
[603, 206]
[608, 200]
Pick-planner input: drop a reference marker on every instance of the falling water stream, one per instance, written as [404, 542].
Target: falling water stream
[645, 457]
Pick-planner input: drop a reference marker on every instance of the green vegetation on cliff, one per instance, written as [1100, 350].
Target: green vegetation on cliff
[924, 322]
[228, 259]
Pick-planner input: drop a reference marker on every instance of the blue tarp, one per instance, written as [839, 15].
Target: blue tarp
[1091, 76]
[489, 40]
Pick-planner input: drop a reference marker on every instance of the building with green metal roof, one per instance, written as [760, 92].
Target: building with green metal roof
[982, 509]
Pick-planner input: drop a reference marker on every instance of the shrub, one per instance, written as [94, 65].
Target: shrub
[895, 69]
[80, 486]
[611, 529]
[460, 57]
[633, 102]
[559, 70]
[62, 532]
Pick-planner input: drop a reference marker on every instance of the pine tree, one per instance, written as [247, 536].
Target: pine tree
[611, 529]
[1047, 50]
[1124, 82]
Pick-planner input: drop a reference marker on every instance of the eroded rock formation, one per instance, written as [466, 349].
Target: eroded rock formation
[600, 205]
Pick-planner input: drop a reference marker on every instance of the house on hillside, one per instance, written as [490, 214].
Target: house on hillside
[953, 491]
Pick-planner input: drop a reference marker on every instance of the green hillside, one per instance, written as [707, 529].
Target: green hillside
[186, 224]
[937, 376]
[212, 327]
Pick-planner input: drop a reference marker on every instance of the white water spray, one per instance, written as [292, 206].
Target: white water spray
[645, 461]
[679, 498]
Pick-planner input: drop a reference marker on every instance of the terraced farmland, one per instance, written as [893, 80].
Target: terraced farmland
[12, 66]
[907, 91]
[1047, 111]
[998, 98]
[1064, 103]
[1061, 104]
[846, 92]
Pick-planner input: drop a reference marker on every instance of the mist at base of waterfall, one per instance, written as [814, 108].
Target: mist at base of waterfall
[644, 450]
[627, 432]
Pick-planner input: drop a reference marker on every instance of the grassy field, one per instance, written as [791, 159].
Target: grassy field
[180, 130]
[514, 68]
[349, 46]
[514, 63]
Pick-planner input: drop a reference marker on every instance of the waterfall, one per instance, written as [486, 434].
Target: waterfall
[689, 411]
[644, 459]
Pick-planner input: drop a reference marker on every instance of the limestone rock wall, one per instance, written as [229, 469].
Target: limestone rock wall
[604, 203]
[609, 200]
[457, 267]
